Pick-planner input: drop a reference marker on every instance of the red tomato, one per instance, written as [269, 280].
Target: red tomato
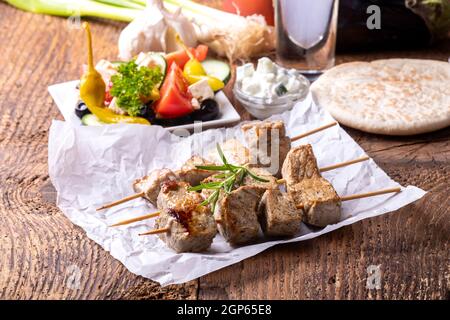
[247, 8]
[175, 98]
[201, 52]
[178, 57]
[108, 96]
[181, 57]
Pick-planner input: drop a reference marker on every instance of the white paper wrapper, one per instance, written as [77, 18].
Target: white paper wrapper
[91, 166]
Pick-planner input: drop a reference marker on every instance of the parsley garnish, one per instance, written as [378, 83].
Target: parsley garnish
[133, 85]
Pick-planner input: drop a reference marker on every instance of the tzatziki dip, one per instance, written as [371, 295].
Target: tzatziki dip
[268, 81]
[269, 88]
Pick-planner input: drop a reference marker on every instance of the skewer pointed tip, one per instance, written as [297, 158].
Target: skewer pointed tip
[300, 136]
[126, 199]
[155, 231]
[371, 194]
[128, 221]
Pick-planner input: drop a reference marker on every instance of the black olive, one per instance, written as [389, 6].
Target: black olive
[81, 110]
[209, 110]
[148, 113]
[175, 121]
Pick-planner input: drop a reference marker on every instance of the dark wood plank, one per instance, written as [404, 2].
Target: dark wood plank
[42, 255]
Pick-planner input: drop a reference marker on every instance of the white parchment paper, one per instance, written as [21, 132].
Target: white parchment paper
[91, 166]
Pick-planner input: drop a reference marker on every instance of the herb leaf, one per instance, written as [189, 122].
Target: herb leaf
[133, 85]
[212, 168]
[229, 177]
[254, 176]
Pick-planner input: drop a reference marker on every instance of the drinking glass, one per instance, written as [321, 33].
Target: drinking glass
[306, 34]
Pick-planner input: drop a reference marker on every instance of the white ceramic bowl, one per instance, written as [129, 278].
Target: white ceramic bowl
[262, 108]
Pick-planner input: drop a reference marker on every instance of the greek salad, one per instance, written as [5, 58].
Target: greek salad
[167, 89]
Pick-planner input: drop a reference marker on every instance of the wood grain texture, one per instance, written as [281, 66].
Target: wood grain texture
[44, 256]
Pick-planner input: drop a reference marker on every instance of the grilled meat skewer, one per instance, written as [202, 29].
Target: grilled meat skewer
[269, 144]
[150, 185]
[278, 214]
[237, 213]
[309, 191]
[189, 226]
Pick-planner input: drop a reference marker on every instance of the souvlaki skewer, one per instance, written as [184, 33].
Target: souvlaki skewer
[269, 144]
[239, 212]
[147, 187]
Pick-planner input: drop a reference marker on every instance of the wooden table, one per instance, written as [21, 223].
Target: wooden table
[42, 254]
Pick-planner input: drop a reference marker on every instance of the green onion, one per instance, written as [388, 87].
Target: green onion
[124, 3]
[67, 8]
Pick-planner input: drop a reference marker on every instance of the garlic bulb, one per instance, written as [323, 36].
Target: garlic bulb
[154, 30]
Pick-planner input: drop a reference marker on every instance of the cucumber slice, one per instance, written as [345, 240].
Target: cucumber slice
[281, 90]
[219, 69]
[91, 120]
[158, 59]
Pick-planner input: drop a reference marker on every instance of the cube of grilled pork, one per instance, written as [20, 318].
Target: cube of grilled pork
[259, 186]
[235, 152]
[192, 227]
[318, 199]
[278, 215]
[151, 184]
[237, 213]
[262, 173]
[300, 164]
[191, 174]
[268, 144]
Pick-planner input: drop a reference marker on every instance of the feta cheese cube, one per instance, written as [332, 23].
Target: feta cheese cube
[115, 108]
[195, 104]
[293, 85]
[268, 78]
[244, 71]
[251, 88]
[265, 65]
[201, 90]
[281, 77]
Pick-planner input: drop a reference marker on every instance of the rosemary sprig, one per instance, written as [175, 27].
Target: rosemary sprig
[229, 177]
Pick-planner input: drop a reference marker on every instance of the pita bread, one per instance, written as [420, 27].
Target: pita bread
[392, 97]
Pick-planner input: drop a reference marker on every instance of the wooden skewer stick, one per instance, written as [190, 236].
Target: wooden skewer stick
[155, 231]
[345, 198]
[344, 164]
[300, 136]
[115, 203]
[138, 195]
[163, 230]
[334, 166]
[370, 194]
[363, 195]
[147, 216]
